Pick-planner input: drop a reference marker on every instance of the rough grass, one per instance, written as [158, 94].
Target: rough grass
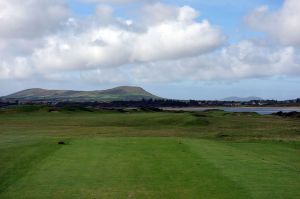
[212, 124]
[148, 155]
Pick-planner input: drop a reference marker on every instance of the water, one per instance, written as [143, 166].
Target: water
[259, 110]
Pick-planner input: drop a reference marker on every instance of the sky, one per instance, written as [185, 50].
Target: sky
[190, 49]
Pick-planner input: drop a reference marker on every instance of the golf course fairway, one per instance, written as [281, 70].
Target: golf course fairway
[176, 161]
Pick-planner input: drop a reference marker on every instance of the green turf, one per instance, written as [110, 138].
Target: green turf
[148, 155]
[216, 124]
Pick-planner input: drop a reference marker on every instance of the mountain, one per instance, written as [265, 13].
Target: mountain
[241, 99]
[118, 93]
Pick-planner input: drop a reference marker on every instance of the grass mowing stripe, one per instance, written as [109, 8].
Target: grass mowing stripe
[125, 168]
[258, 167]
[16, 160]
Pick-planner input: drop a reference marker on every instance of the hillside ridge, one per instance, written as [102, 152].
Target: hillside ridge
[112, 94]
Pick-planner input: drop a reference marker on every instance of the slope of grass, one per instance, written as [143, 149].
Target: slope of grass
[147, 155]
[263, 169]
[161, 168]
[18, 155]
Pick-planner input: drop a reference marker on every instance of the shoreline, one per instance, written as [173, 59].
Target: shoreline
[216, 107]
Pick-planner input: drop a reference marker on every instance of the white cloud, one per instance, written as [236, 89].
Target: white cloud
[23, 25]
[31, 18]
[245, 59]
[19, 68]
[114, 76]
[166, 44]
[176, 39]
[104, 41]
[282, 24]
[158, 13]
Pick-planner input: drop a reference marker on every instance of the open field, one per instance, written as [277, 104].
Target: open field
[110, 154]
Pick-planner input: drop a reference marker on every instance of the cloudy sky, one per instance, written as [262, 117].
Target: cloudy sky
[190, 49]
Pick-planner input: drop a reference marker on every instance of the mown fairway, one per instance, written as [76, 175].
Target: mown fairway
[148, 155]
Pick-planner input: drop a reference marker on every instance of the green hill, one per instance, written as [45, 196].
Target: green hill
[118, 93]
